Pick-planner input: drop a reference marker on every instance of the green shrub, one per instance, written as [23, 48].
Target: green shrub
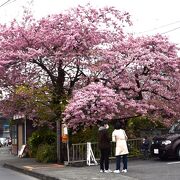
[46, 153]
[41, 136]
[82, 136]
[89, 134]
[136, 124]
[134, 152]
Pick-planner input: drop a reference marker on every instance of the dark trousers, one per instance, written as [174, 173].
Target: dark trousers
[145, 154]
[104, 159]
[118, 162]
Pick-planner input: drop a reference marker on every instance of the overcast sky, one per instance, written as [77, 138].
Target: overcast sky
[148, 16]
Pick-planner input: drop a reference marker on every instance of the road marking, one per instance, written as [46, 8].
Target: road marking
[177, 162]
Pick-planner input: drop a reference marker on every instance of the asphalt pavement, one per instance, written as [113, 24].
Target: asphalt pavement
[60, 172]
[138, 169]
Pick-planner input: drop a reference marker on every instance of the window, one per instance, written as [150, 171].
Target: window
[6, 128]
[14, 134]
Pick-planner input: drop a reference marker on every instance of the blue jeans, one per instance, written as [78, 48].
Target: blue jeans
[118, 161]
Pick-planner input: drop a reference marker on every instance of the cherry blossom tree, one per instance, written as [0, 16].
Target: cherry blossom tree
[144, 73]
[32, 102]
[148, 74]
[91, 105]
[59, 52]
[68, 52]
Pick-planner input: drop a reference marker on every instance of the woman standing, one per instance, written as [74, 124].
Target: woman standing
[119, 136]
[104, 146]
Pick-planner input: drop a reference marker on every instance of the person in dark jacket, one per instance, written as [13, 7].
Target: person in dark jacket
[104, 146]
[145, 147]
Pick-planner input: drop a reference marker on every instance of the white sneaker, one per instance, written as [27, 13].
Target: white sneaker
[124, 171]
[117, 171]
[108, 171]
[101, 171]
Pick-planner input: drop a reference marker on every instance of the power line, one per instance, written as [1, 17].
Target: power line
[4, 3]
[153, 29]
[171, 30]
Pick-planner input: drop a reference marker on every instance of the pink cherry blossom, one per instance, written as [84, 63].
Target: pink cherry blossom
[67, 52]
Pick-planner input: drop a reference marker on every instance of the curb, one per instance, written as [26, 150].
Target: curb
[30, 173]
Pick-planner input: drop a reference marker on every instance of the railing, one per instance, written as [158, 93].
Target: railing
[78, 152]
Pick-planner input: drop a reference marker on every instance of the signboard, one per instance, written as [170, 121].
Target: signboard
[64, 133]
[156, 151]
[90, 156]
[20, 153]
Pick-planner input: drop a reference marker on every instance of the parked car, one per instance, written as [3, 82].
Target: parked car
[168, 145]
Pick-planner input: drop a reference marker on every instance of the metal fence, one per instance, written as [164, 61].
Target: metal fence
[78, 152]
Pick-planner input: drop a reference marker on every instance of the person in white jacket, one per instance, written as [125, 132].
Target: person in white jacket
[119, 136]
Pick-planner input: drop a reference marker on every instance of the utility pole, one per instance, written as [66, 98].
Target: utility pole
[59, 141]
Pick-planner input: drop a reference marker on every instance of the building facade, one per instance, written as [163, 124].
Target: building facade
[4, 126]
[21, 130]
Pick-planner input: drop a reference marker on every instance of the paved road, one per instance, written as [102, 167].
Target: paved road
[7, 174]
[154, 169]
[137, 170]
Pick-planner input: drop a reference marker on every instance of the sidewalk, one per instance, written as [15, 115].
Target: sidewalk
[60, 172]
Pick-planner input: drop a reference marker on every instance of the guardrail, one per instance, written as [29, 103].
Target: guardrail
[78, 152]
